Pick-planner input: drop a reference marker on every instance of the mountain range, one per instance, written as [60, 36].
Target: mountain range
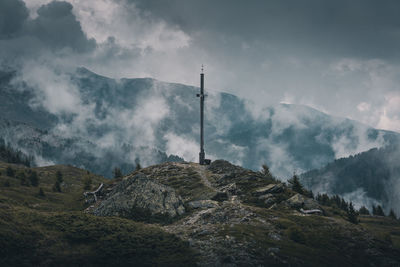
[99, 123]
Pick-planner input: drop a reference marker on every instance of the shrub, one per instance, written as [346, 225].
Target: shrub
[10, 171]
[392, 214]
[296, 185]
[295, 234]
[377, 210]
[364, 211]
[33, 178]
[41, 192]
[265, 171]
[87, 183]
[352, 215]
[59, 177]
[22, 179]
[6, 183]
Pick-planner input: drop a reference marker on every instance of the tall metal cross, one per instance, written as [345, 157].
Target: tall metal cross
[202, 154]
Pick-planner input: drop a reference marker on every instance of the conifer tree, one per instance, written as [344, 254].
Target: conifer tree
[265, 171]
[59, 180]
[138, 166]
[364, 211]
[117, 173]
[296, 185]
[392, 214]
[379, 211]
[59, 177]
[352, 214]
[34, 179]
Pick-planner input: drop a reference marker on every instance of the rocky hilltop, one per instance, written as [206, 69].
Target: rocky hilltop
[231, 216]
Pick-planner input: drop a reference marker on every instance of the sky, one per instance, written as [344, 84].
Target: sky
[341, 57]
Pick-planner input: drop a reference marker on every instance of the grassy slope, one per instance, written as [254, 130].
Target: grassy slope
[53, 230]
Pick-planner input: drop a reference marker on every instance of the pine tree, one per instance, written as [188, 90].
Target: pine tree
[34, 179]
[364, 211]
[265, 171]
[352, 214]
[57, 186]
[138, 166]
[379, 211]
[59, 180]
[344, 205]
[117, 173]
[296, 185]
[392, 214]
[59, 177]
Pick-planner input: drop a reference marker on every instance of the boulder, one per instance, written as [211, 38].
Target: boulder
[269, 199]
[140, 195]
[271, 189]
[203, 204]
[299, 201]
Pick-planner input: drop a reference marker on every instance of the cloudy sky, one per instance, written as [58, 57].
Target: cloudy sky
[341, 57]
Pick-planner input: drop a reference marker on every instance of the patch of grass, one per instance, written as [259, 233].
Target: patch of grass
[30, 238]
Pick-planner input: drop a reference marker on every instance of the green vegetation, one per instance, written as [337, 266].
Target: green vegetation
[42, 227]
[352, 215]
[39, 226]
[33, 178]
[138, 166]
[363, 211]
[377, 210]
[41, 192]
[296, 185]
[59, 180]
[87, 183]
[265, 171]
[30, 238]
[392, 214]
[117, 173]
[10, 171]
[11, 155]
[371, 171]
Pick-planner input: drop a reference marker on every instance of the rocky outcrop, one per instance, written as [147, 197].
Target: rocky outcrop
[270, 189]
[137, 197]
[203, 204]
[299, 201]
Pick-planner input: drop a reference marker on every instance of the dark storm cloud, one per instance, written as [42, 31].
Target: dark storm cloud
[53, 29]
[346, 28]
[57, 27]
[13, 14]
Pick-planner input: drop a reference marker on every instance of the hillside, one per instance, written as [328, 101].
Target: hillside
[371, 177]
[150, 121]
[181, 214]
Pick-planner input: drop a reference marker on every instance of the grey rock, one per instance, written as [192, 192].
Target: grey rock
[139, 193]
[271, 189]
[299, 201]
[203, 204]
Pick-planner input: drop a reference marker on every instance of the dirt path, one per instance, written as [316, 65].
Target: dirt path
[201, 170]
